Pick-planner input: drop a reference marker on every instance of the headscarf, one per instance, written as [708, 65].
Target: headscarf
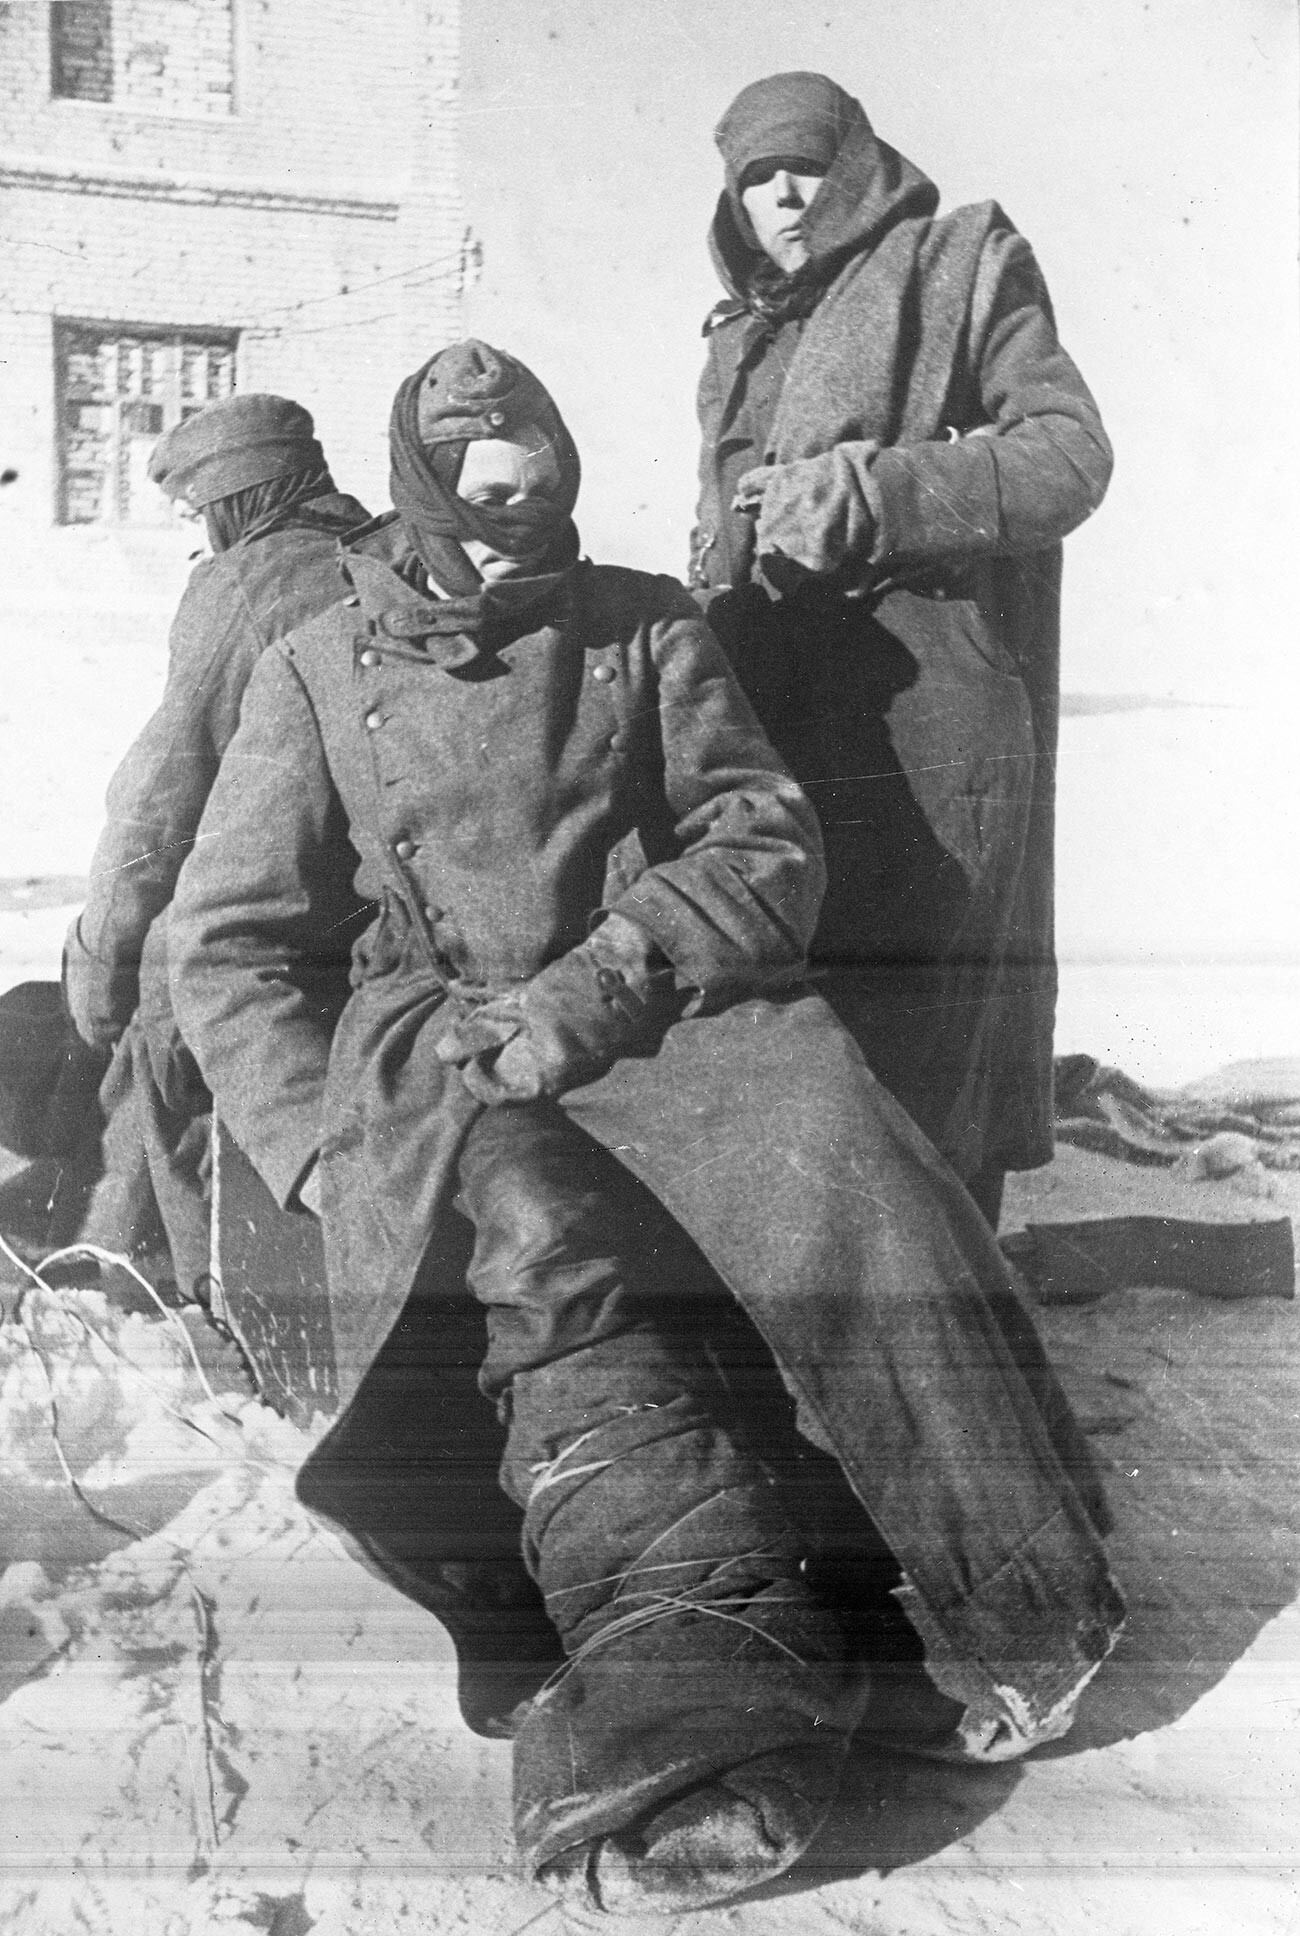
[867, 187]
[261, 509]
[466, 392]
[803, 116]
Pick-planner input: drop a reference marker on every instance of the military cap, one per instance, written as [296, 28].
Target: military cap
[232, 445]
[471, 391]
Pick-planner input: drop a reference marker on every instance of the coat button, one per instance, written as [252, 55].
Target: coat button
[602, 674]
[432, 914]
[371, 658]
[374, 721]
[404, 849]
[617, 743]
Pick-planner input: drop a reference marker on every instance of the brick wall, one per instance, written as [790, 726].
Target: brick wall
[174, 56]
[321, 218]
[81, 49]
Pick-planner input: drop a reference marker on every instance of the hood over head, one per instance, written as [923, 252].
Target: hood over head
[464, 393]
[868, 186]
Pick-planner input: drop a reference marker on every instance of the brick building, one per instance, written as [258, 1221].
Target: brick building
[201, 195]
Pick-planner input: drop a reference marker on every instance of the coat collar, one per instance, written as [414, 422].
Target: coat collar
[453, 632]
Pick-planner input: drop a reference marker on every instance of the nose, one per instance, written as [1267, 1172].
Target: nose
[787, 189]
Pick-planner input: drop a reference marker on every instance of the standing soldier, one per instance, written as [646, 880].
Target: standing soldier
[894, 445]
[252, 466]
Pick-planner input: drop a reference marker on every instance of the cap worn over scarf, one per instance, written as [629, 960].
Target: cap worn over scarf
[232, 445]
[465, 393]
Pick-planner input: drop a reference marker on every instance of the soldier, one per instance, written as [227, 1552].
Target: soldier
[894, 445]
[578, 1034]
[252, 467]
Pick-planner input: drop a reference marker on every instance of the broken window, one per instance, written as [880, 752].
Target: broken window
[119, 387]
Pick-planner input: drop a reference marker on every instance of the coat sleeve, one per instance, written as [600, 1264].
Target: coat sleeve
[154, 804]
[1037, 464]
[734, 909]
[250, 927]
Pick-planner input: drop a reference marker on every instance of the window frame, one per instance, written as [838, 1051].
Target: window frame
[172, 400]
[142, 111]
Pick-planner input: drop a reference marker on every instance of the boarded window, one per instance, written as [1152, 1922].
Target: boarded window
[156, 56]
[81, 49]
[119, 387]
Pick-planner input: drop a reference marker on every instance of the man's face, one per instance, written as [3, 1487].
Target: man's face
[776, 195]
[497, 472]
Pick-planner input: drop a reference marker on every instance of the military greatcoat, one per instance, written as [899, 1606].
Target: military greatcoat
[595, 753]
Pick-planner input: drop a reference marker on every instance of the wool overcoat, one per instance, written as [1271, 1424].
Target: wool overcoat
[942, 443]
[595, 753]
[149, 1137]
[234, 606]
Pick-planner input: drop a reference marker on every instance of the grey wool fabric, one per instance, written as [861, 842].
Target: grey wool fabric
[892, 610]
[755, 1357]
[652, 794]
[232, 445]
[115, 968]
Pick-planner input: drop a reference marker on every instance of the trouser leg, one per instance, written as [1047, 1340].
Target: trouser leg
[176, 1132]
[122, 1212]
[693, 1742]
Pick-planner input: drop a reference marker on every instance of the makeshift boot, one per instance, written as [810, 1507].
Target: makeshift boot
[693, 1742]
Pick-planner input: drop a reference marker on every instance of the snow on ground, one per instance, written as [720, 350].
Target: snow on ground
[226, 1725]
[213, 1721]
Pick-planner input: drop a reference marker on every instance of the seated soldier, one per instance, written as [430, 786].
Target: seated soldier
[252, 466]
[745, 1332]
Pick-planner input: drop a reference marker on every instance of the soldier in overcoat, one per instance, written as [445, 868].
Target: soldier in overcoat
[743, 1327]
[894, 445]
[252, 467]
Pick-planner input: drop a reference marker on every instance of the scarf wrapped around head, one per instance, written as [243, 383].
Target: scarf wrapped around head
[791, 117]
[249, 463]
[464, 393]
[260, 509]
[866, 186]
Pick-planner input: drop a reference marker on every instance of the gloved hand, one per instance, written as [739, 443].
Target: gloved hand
[608, 997]
[815, 513]
[751, 489]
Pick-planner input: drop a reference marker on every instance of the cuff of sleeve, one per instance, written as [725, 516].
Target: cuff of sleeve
[711, 967]
[285, 1160]
[101, 998]
[935, 500]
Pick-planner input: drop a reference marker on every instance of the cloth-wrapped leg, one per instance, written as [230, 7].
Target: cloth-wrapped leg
[692, 1742]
